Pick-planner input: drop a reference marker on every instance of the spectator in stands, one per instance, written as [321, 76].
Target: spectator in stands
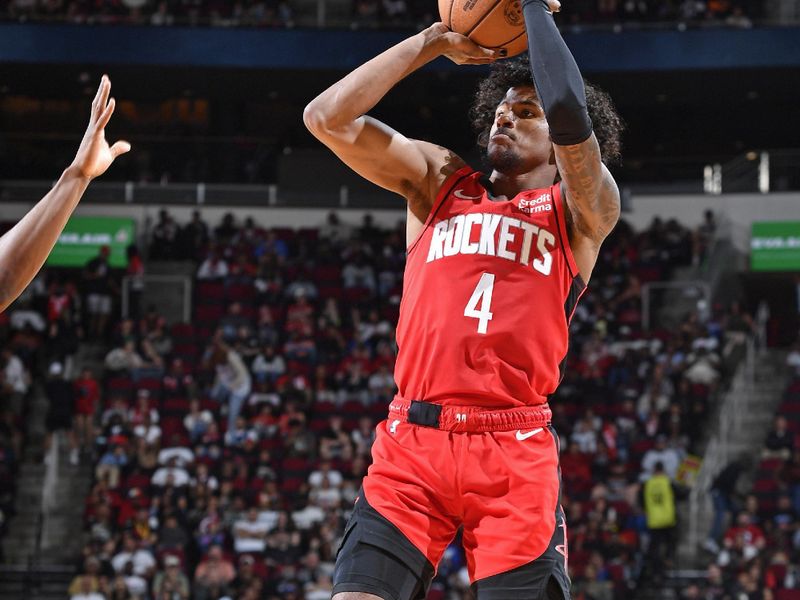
[249, 533]
[241, 434]
[61, 405]
[703, 237]
[739, 327]
[742, 542]
[157, 344]
[170, 583]
[334, 442]
[358, 273]
[793, 359]
[232, 383]
[669, 459]
[299, 440]
[271, 244]
[61, 344]
[87, 586]
[213, 267]
[14, 381]
[162, 17]
[197, 421]
[135, 274]
[723, 496]
[334, 230]
[142, 409]
[194, 235]
[135, 584]
[134, 552]
[111, 463]
[213, 575]
[302, 285]
[381, 384]
[171, 475]
[177, 381]
[98, 288]
[246, 578]
[226, 230]
[659, 504]
[172, 535]
[126, 360]
[371, 329]
[241, 271]
[231, 322]
[703, 367]
[268, 365]
[23, 316]
[364, 436]
[87, 399]
[183, 455]
[164, 237]
[780, 441]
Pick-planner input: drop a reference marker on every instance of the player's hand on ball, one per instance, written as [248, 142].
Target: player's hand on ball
[462, 50]
[94, 154]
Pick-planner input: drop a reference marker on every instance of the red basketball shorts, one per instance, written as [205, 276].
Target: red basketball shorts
[494, 472]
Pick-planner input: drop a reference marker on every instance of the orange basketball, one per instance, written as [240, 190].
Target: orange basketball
[488, 23]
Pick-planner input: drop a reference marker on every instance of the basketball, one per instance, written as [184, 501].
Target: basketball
[488, 23]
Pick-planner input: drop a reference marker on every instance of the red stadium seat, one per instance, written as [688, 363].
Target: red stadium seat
[210, 290]
[241, 292]
[209, 313]
[120, 384]
[182, 331]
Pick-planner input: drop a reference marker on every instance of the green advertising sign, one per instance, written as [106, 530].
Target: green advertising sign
[83, 237]
[775, 246]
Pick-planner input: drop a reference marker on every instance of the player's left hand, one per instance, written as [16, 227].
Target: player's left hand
[94, 154]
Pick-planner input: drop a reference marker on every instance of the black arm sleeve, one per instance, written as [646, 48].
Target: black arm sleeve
[558, 81]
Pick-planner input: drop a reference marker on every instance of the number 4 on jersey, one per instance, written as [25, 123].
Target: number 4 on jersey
[481, 295]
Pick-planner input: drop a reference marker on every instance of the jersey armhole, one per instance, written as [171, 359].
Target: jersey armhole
[560, 208]
[444, 191]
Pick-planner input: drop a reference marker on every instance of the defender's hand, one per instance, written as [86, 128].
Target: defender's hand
[94, 154]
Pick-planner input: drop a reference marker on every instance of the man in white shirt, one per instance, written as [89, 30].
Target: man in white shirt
[249, 534]
[232, 383]
[334, 477]
[669, 457]
[182, 455]
[143, 561]
[170, 474]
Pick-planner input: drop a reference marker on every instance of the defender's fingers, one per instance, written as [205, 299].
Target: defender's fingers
[120, 147]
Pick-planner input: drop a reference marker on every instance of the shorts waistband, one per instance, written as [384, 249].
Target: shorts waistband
[469, 418]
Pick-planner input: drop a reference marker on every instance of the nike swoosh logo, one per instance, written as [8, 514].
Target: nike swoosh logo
[462, 196]
[524, 436]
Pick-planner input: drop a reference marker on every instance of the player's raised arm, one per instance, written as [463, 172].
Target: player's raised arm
[337, 117]
[26, 246]
[591, 193]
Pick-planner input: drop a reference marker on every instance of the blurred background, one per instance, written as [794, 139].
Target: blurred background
[189, 389]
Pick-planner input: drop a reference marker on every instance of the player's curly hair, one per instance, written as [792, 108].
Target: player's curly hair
[608, 125]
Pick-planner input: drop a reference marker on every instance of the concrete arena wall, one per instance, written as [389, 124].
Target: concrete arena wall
[735, 213]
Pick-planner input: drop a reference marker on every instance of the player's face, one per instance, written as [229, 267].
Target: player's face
[519, 139]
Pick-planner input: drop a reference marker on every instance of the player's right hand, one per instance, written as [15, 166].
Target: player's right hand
[94, 154]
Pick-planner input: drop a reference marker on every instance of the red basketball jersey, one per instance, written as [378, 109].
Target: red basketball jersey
[489, 290]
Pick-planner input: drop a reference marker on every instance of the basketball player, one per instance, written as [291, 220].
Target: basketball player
[25, 247]
[494, 270]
